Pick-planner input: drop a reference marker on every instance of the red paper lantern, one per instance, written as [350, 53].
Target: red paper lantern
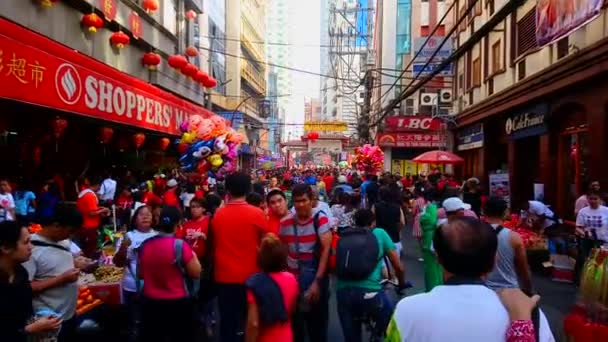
[177, 61]
[189, 69]
[164, 143]
[48, 3]
[138, 139]
[210, 82]
[191, 51]
[150, 6]
[151, 60]
[106, 134]
[92, 22]
[313, 136]
[191, 15]
[200, 77]
[59, 126]
[119, 39]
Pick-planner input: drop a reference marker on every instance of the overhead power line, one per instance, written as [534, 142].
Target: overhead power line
[410, 91]
[273, 65]
[259, 42]
[405, 69]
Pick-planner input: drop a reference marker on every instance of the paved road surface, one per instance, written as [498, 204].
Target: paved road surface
[557, 298]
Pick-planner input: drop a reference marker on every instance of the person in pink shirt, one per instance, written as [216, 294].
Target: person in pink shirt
[168, 268]
[271, 295]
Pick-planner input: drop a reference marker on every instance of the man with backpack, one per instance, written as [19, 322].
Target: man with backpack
[308, 237]
[360, 256]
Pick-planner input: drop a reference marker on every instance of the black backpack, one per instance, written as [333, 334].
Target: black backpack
[356, 254]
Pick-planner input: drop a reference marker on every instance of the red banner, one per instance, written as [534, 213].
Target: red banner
[413, 123]
[109, 9]
[411, 140]
[48, 74]
[135, 25]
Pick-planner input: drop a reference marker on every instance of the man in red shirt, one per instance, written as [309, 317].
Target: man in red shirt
[329, 182]
[277, 209]
[237, 229]
[170, 197]
[194, 231]
[88, 205]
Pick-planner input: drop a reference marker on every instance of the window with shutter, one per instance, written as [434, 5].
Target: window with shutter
[496, 51]
[463, 25]
[521, 70]
[562, 47]
[476, 72]
[490, 86]
[526, 33]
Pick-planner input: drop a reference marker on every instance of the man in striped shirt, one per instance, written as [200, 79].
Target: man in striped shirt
[308, 237]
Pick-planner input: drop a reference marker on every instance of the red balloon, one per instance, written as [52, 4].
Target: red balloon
[182, 148]
[164, 143]
[139, 139]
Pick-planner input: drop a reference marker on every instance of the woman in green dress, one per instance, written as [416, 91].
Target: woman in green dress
[433, 274]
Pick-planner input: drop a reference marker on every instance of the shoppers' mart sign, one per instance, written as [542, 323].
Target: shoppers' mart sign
[325, 126]
[48, 74]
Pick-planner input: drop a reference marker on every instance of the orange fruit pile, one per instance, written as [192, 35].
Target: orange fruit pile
[86, 301]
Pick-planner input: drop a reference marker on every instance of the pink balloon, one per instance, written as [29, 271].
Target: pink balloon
[194, 121]
[204, 129]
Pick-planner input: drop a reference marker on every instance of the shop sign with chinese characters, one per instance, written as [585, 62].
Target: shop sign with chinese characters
[422, 140]
[48, 74]
[109, 8]
[413, 123]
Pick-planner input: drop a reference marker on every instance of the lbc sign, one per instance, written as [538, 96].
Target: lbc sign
[413, 123]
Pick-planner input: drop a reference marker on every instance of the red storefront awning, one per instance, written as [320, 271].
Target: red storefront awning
[38, 70]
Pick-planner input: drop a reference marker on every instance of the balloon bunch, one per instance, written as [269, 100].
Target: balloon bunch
[208, 146]
[369, 158]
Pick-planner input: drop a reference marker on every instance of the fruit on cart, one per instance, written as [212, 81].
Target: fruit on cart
[108, 274]
[86, 301]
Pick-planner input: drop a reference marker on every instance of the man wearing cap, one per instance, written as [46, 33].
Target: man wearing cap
[170, 197]
[343, 186]
[454, 207]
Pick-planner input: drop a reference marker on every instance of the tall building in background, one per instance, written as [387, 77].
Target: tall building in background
[247, 72]
[278, 51]
[347, 31]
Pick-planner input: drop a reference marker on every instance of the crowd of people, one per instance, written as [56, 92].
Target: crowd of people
[268, 250]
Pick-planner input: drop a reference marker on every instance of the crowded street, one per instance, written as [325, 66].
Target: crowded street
[303, 171]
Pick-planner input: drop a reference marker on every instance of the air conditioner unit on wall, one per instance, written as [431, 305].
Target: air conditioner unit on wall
[446, 96]
[428, 99]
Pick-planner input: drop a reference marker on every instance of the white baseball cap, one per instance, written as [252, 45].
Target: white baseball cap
[453, 204]
[342, 179]
[172, 183]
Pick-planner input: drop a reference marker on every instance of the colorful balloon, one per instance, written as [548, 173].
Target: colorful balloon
[215, 160]
[204, 129]
[188, 138]
[194, 121]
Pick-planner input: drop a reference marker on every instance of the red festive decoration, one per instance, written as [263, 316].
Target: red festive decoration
[163, 143]
[138, 139]
[106, 134]
[48, 3]
[191, 51]
[191, 15]
[189, 69]
[313, 135]
[92, 22]
[200, 77]
[150, 6]
[135, 25]
[119, 39]
[177, 61]
[151, 60]
[210, 82]
[59, 126]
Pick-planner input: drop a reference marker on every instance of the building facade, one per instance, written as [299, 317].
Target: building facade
[54, 64]
[530, 99]
[346, 36]
[278, 51]
[406, 35]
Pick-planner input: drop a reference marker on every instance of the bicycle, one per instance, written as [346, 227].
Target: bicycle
[368, 322]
